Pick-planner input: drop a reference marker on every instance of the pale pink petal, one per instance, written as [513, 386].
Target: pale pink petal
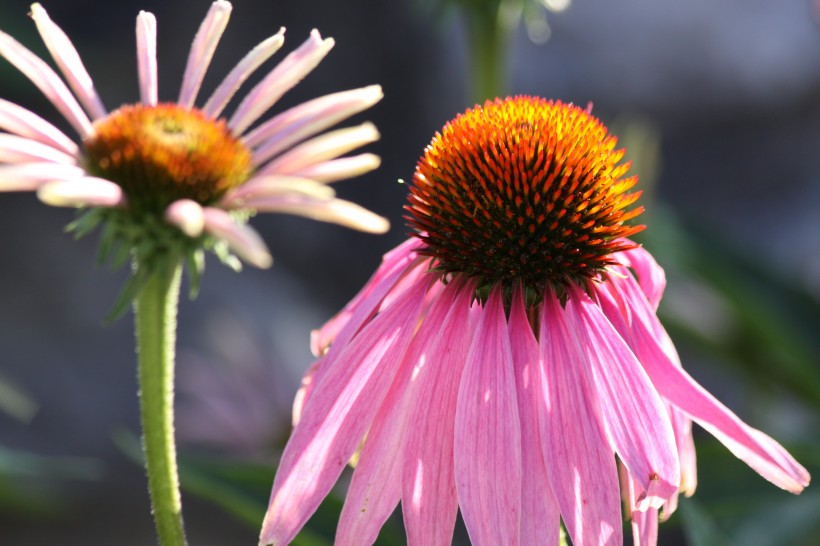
[19, 121]
[393, 266]
[429, 500]
[47, 81]
[263, 187]
[682, 426]
[69, 62]
[83, 192]
[202, 51]
[581, 467]
[30, 176]
[308, 119]
[187, 215]
[540, 517]
[316, 150]
[241, 238]
[15, 149]
[340, 169]
[375, 489]
[147, 57]
[241, 72]
[651, 276]
[633, 414]
[488, 434]
[652, 346]
[335, 211]
[280, 80]
[645, 527]
[337, 416]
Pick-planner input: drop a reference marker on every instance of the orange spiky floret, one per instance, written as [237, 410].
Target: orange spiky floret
[523, 189]
[159, 154]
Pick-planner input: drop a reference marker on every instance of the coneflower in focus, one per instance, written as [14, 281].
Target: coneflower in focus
[507, 359]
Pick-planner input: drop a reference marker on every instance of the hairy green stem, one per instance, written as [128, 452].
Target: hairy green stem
[155, 310]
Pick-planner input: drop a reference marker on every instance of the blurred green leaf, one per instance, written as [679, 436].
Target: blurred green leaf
[14, 402]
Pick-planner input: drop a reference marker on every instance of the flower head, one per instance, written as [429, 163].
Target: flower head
[505, 357]
[173, 176]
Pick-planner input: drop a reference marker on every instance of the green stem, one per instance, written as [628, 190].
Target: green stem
[155, 312]
[488, 40]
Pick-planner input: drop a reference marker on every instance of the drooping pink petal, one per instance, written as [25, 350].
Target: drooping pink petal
[15, 149]
[280, 80]
[581, 469]
[241, 72]
[47, 81]
[19, 121]
[682, 426]
[334, 211]
[650, 275]
[652, 346]
[540, 517]
[187, 215]
[429, 500]
[341, 168]
[375, 489]
[321, 148]
[83, 192]
[645, 527]
[307, 119]
[241, 238]
[633, 414]
[202, 51]
[69, 62]
[30, 176]
[488, 434]
[304, 391]
[147, 57]
[393, 266]
[337, 415]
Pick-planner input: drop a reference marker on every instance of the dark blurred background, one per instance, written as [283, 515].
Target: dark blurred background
[718, 104]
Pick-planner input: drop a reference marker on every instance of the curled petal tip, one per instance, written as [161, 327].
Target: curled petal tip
[187, 215]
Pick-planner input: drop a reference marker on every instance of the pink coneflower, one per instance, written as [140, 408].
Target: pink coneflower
[506, 360]
[154, 164]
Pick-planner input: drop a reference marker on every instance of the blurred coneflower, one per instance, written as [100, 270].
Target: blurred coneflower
[164, 174]
[507, 359]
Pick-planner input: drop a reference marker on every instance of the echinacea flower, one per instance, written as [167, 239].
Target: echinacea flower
[172, 173]
[507, 360]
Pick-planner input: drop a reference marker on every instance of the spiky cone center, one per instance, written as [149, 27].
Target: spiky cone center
[523, 190]
[159, 154]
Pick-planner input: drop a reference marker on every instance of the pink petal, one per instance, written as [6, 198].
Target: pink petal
[655, 351]
[83, 192]
[202, 51]
[337, 416]
[393, 266]
[15, 149]
[241, 72]
[375, 489]
[69, 62]
[147, 57]
[268, 187]
[19, 121]
[47, 81]
[633, 414]
[340, 169]
[281, 79]
[488, 434]
[30, 176]
[241, 238]
[580, 465]
[429, 500]
[308, 119]
[319, 149]
[650, 274]
[334, 211]
[540, 517]
[187, 215]
[304, 392]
